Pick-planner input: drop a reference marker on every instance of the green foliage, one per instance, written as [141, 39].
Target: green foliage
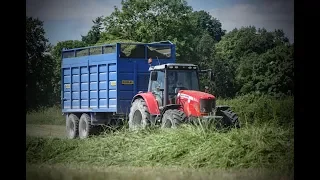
[146, 20]
[94, 34]
[69, 44]
[39, 66]
[149, 21]
[271, 72]
[249, 60]
[205, 23]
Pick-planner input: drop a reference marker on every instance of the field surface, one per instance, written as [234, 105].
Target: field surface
[262, 149]
[40, 130]
[82, 171]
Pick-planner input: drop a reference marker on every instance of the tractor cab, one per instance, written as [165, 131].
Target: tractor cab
[167, 80]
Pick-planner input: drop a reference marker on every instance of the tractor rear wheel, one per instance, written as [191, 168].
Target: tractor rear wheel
[172, 118]
[139, 115]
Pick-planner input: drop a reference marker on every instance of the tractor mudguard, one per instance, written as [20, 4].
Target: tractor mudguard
[170, 106]
[150, 100]
[222, 107]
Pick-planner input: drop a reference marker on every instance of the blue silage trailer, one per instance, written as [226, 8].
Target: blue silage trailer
[99, 82]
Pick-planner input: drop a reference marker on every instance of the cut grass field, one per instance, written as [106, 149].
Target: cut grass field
[80, 172]
[251, 110]
[250, 147]
[265, 141]
[43, 130]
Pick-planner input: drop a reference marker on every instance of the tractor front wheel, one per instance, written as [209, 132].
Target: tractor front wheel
[230, 119]
[172, 118]
[139, 115]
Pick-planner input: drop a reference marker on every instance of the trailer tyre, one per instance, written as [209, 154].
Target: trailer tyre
[139, 115]
[85, 126]
[72, 124]
[172, 118]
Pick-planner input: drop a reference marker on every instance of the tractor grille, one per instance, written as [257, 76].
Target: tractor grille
[207, 105]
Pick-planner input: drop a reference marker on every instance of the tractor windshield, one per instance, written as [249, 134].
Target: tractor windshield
[183, 79]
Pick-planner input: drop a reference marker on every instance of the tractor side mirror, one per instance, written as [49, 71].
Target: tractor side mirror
[154, 75]
[211, 76]
[176, 90]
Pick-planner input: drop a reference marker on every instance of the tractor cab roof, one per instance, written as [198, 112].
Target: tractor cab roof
[177, 66]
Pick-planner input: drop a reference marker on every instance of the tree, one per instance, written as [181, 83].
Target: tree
[204, 49]
[273, 72]
[244, 58]
[69, 44]
[94, 33]
[146, 20]
[150, 21]
[39, 66]
[205, 23]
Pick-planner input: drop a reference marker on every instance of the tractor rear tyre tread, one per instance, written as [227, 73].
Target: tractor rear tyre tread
[172, 118]
[139, 116]
[72, 125]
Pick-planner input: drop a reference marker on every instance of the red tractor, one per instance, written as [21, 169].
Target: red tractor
[174, 97]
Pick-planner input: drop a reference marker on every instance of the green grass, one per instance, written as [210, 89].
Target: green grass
[266, 140]
[250, 108]
[265, 146]
[253, 109]
[52, 116]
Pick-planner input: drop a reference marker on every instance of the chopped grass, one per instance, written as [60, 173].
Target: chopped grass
[265, 146]
[265, 140]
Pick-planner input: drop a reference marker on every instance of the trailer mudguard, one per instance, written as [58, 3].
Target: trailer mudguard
[150, 101]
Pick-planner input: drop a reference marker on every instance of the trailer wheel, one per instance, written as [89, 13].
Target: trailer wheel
[85, 127]
[139, 115]
[72, 122]
[172, 118]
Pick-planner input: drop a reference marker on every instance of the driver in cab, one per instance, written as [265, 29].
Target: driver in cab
[173, 82]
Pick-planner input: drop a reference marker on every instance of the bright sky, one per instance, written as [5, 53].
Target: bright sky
[69, 19]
